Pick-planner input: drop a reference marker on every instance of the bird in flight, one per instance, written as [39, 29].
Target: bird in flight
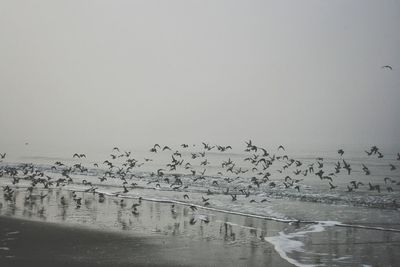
[387, 67]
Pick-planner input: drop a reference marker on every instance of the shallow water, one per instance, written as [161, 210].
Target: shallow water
[335, 228]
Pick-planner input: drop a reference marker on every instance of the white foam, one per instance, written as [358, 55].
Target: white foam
[284, 243]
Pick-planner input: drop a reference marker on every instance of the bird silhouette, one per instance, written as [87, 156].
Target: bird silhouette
[332, 186]
[387, 67]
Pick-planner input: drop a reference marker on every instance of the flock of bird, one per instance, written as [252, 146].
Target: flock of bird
[259, 171]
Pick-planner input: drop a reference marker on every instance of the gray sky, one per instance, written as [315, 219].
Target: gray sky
[130, 73]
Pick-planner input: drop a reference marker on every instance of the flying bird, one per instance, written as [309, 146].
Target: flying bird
[387, 67]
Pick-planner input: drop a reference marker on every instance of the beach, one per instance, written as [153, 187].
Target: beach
[34, 243]
[42, 232]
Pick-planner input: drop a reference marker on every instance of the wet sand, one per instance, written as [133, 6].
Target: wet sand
[42, 231]
[31, 243]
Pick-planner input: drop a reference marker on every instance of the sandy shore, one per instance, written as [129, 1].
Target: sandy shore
[44, 232]
[31, 243]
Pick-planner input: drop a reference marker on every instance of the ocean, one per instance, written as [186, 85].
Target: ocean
[327, 215]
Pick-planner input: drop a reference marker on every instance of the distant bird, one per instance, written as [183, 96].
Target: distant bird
[374, 187]
[349, 189]
[281, 147]
[392, 167]
[193, 208]
[341, 152]
[3, 155]
[125, 189]
[356, 184]
[332, 186]
[116, 148]
[387, 67]
[185, 196]
[154, 148]
[347, 167]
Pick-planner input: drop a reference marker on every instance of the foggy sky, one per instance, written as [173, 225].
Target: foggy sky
[131, 73]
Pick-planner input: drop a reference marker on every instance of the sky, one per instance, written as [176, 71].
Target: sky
[94, 74]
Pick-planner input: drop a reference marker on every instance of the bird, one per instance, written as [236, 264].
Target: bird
[281, 147]
[392, 167]
[341, 152]
[387, 67]
[193, 208]
[205, 199]
[349, 189]
[369, 153]
[3, 155]
[346, 166]
[332, 186]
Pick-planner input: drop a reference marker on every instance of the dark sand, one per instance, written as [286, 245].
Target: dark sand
[30, 243]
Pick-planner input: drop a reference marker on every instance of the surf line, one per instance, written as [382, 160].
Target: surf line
[270, 218]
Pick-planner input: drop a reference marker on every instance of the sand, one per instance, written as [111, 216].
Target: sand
[31, 243]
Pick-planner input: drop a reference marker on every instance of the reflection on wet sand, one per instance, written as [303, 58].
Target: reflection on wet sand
[243, 236]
